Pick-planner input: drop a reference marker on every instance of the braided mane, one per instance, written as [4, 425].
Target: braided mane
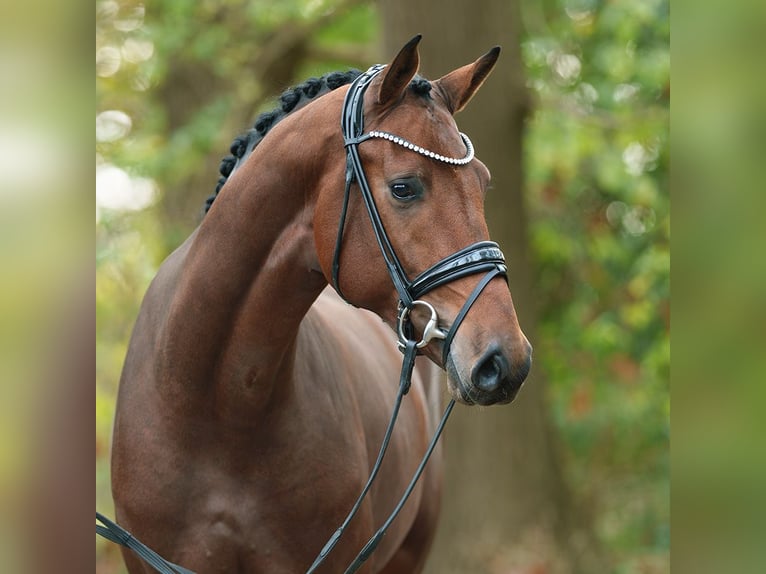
[291, 99]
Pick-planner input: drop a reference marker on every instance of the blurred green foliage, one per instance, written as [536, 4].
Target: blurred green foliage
[596, 162]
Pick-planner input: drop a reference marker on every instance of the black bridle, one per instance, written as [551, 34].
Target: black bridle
[481, 257]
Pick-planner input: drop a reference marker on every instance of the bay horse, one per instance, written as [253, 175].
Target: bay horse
[253, 397]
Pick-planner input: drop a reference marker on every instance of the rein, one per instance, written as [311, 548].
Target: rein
[117, 534]
[481, 257]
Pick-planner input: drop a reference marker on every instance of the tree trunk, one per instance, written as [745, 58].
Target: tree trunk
[506, 505]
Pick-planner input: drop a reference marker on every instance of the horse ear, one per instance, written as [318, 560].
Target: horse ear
[399, 72]
[459, 86]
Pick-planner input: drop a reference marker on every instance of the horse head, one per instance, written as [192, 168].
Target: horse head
[428, 192]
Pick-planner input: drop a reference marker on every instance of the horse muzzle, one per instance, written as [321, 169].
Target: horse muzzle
[494, 378]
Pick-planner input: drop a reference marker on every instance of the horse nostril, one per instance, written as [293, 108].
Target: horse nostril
[490, 372]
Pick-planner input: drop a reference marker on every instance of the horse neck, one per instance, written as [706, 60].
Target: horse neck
[251, 272]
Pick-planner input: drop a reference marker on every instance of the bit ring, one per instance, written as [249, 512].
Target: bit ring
[430, 331]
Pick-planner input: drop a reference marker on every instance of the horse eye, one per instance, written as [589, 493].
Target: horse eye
[403, 191]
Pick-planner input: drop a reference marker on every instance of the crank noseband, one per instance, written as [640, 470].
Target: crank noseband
[481, 257]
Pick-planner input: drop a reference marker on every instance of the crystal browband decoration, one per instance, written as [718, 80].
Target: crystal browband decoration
[422, 151]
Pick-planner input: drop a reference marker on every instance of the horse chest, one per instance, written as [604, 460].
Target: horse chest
[274, 508]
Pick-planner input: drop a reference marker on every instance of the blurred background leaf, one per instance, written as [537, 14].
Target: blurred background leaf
[597, 160]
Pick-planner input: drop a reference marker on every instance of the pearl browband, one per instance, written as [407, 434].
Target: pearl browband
[422, 151]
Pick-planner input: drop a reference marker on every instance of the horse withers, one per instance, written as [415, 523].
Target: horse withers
[253, 399]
